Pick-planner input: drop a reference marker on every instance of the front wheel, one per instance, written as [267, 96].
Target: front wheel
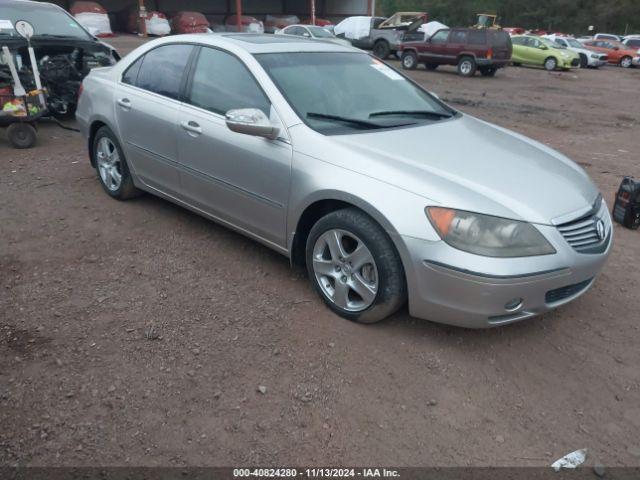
[409, 60]
[21, 135]
[550, 64]
[625, 62]
[584, 61]
[354, 266]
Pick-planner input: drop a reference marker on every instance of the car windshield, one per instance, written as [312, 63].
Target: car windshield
[551, 44]
[47, 21]
[320, 32]
[338, 93]
[574, 43]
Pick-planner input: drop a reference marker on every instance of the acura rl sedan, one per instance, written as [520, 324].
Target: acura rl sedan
[338, 161]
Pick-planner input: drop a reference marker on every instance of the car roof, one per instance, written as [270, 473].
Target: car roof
[259, 43]
[30, 3]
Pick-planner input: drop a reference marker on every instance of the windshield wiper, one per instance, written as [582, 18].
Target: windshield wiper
[426, 113]
[338, 118]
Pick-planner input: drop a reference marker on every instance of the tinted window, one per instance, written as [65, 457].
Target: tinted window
[440, 37]
[518, 41]
[458, 36]
[476, 37]
[299, 31]
[633, 43]
[221, 83]
[45, 18]
[163, 68]
[561, 42]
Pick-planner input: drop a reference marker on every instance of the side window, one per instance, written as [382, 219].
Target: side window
[517, 41]
[130, 76]
[163, 68]
[476, 37]
[221, 83]
[561, 42]
[294, 31]
[440, 37]
[458, 36]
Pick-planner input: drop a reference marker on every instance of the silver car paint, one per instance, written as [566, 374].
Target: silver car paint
[262, 187]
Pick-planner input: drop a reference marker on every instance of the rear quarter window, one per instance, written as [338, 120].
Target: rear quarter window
[477, 37]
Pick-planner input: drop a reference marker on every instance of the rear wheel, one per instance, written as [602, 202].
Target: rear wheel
[625, 62]
[431, 66]
[550, 64]
[21, 135]
[354, 266]
[381, 49]
[111, 165]
[488, 71]
[467, 66]
[409, 60]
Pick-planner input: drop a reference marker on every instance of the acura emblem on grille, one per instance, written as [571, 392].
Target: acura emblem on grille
[600, 230]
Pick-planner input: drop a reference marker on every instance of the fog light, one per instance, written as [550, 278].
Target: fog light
[513, 305]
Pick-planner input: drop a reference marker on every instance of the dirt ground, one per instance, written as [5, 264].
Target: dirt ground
[137, 333]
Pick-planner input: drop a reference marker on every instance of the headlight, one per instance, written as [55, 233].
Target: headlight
[487, 235]
[565, 55]
[593, 55]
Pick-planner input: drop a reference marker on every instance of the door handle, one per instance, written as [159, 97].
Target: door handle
[191, 127]
[124, 103]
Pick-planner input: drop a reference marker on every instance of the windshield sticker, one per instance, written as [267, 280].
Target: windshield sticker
[6, 25]
[382, 68]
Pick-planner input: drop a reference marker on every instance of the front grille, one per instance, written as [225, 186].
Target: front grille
[582, 234]
[563, 293]
[575, 62]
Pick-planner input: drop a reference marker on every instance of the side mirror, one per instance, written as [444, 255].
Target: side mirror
[544, 47]
[251, 121]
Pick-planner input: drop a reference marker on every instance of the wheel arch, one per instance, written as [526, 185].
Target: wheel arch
[320, 205]
[466, 54]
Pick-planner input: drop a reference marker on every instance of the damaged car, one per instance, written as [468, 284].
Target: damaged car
[64, 50]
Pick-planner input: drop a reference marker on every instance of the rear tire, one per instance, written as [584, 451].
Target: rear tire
[626, 61]
[21, 135]
[347, 252]
[550, 64]
[409, 60]
[467, 66]
[381, 49]
[111, 165]
[488, 71]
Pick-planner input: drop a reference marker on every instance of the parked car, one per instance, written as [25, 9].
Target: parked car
[632, 43]
[382, 35]
[588, 58]
[607, 36]
[64, 50]
[617, 53]
[313, 32]
[346, 166]
[470, 49]
[538, 51]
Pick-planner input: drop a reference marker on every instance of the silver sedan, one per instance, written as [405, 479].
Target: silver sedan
[338, 161]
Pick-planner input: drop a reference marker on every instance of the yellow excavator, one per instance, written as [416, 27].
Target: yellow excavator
[487, 20]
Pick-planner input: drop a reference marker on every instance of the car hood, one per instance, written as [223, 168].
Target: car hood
[469, 164]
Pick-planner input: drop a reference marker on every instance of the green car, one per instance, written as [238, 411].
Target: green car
[531, 50]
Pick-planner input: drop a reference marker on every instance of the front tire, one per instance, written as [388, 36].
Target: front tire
[584, 61]
[354, 266]
[409, 60]
[111, 165]
[467, 67]
[550, 64]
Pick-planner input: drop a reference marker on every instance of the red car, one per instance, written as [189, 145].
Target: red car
[470, 49]
[618, 53]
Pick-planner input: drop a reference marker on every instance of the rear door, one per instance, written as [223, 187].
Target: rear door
[148, 102]
[240, 179]
[456, 43]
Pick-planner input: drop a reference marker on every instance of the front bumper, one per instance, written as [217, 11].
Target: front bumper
[596, 62]
[449, 286]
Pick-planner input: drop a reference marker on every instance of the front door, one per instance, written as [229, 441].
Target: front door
[147, 106]
[240, 179]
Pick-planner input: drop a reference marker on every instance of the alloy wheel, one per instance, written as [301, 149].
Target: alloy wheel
[345, 270]
[109, 164]
[626, 62]
[465, 67]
